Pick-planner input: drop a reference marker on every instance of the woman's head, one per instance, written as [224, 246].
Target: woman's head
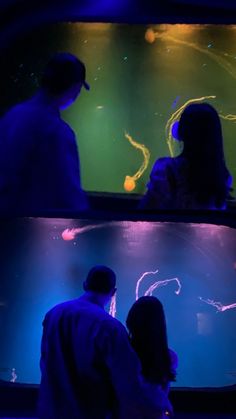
[146, 314]
[147, 328]
[200, 130]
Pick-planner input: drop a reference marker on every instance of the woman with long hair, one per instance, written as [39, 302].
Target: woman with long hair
[198, 178]
[147, 329]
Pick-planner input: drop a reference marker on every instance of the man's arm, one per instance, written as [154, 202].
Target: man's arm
[66, 170]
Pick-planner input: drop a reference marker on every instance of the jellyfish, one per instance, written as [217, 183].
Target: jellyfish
[70, 234]
[220, 57]
[156, 284]
[150, 35]
[217, 56]
[218, 305]
[130, 181]
[149, 291]
[141, 278]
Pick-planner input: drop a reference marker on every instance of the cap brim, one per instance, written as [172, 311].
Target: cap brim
[86, 85]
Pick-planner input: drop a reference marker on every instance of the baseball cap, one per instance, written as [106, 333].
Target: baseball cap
[63, 71]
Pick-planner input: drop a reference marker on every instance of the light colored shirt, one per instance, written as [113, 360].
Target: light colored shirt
[89, 370]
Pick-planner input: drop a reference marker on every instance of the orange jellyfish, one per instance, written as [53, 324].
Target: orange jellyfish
[150, 36]
[130, 181]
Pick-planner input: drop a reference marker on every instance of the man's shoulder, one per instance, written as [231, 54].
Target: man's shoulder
[34, 114]
[24, 116]
[61, 308]
[112, 322]
[77, 307]
[99, 315]
[12, 112]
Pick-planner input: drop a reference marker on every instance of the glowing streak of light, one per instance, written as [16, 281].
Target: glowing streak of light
[175, 116]
[70, 233]
[112, 309]
[218, 305]
[163, 283]
[141, 278]
[130, 181]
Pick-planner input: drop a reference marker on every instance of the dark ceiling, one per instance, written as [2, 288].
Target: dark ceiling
[18, 16]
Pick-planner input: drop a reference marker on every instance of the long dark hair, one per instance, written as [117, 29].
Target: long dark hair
[147, 328]
[200, 130]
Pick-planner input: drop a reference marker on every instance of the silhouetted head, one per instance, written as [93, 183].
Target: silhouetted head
[200, 129]
[101, 279]
[147, 328]
[146, 313]
[64, 74]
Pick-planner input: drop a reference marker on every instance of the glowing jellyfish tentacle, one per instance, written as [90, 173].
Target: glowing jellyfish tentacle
[112, 309]
[130, 181]
[150, 37]
[71, 233]
[176, 115]
[218, 305]
[13, 375]
[215, 57]
[140, 280]
[229, 117]
[158, 284]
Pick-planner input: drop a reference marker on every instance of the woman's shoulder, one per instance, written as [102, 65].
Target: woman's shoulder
[168, 163]
[162, 162]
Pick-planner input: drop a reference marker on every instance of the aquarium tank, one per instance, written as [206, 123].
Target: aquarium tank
[190, 267]
[141, 78]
